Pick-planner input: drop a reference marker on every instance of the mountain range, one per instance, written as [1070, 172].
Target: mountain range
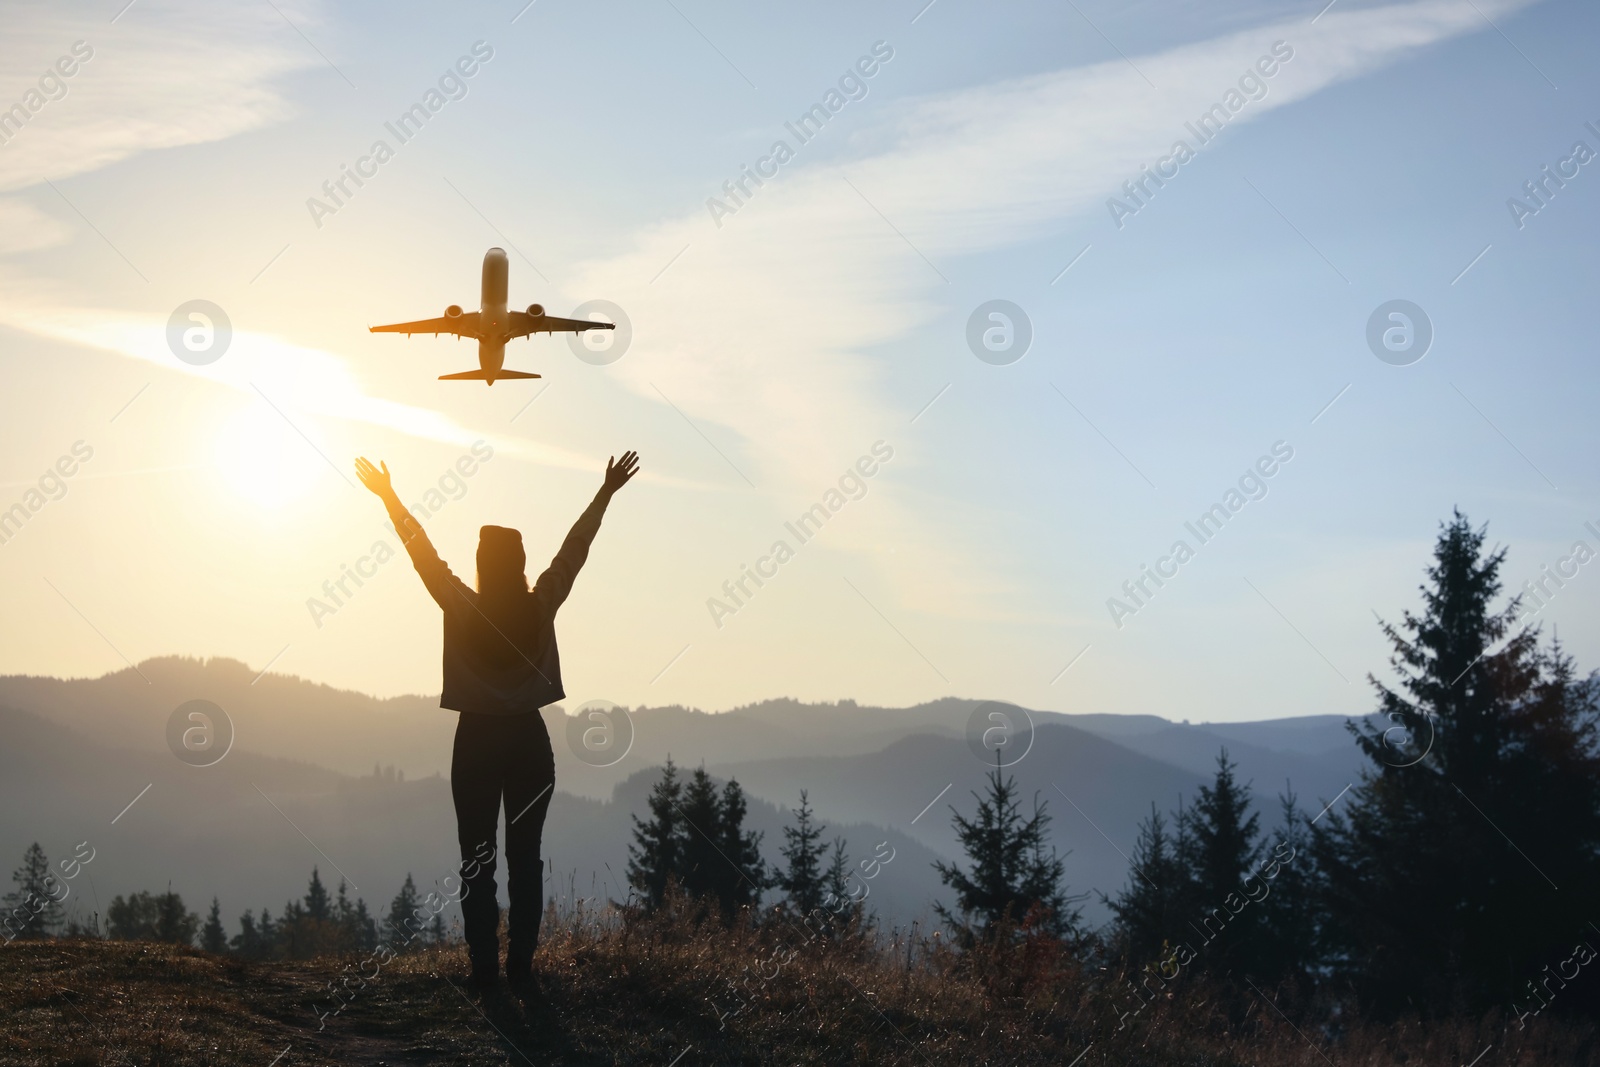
[358, 786]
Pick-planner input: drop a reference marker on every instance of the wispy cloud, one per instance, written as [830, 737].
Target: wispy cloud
[160, 77]
[767, 324]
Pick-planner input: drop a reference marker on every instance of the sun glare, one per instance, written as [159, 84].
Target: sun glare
[263, 459]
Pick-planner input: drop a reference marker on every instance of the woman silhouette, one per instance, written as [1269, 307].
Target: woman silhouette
[500, 667]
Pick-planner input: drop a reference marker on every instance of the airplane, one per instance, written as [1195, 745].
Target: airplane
[492, 325]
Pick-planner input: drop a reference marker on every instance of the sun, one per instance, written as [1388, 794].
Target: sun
[263, 459]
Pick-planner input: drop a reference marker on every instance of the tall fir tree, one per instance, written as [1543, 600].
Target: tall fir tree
[836, 883]
[1011, 871]
[247, 943]
[399, 923]
[33, 907]
[840, 905]
[1465, 858]
[267, 932]
[318, 907]
[1288, 934]
[653, 859]
[1149, 914]
[743, 874]
[175, 924]
[701, 867]
[365, 928]
[213, 938]
[1221, 850]
[802, 877]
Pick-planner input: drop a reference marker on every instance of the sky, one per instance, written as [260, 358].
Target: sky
[1184, 336]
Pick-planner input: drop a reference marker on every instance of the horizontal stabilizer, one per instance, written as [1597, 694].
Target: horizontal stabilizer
[484, 375]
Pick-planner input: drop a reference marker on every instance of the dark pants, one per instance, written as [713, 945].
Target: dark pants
[499, 756]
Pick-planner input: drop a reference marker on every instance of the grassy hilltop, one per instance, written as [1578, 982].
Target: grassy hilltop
[651, 991]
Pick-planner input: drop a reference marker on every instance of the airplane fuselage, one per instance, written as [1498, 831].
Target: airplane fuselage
[493, 316]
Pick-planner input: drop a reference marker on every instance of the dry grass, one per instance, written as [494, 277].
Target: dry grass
[643, 992]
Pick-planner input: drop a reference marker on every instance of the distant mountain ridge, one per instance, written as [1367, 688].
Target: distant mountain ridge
[880, 773]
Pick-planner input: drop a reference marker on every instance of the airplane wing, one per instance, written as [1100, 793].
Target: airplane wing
[523, 324]
[463, 325]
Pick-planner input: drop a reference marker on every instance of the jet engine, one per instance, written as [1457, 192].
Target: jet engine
[453, 311]
[535, 311]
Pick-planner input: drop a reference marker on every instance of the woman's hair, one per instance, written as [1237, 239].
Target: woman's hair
[502, 563]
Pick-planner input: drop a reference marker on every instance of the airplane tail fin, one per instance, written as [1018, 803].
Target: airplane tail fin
[485, 376]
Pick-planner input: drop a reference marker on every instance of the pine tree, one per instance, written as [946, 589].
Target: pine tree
[365, 929]
[653, 859]
[132, 918]
[803, 877]
[1439, 870]
[1150, 910]
[268, 932]
[344, 912]
[1011, 872]
[1288, 929]
[695, 838]
[295, 940]
[1222, 849]
[702, 869]
[247, 943]
[743, 874]
[436, 930]
[836, 884]
[145, 916]
[33, 909]
[398, 924]
[317, 905]
[213, 938]
[175, 924]
[840, 906]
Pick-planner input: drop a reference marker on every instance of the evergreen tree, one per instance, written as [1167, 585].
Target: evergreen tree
[1440, 869]
[1011, 872]
[836, 884]
[295, 939]
[840, 907]
[653, 859]
[144, 916]
[695, 838]
[365, 932]
[396, 931]
[802, 879]
[33, 908]
[436, 930]
[702, 869]
[1220, 851]
[247, 943]
[743, 874]
[267, 930]
[344, 911]
[213, 938]
[1150, 912]
[175, 924]
[317, 905]
[1288, 929]
[353, 925]
[132, 918]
